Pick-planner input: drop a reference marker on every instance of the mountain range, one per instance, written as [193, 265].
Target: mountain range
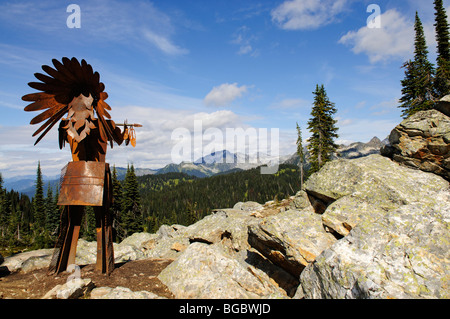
[215, 163]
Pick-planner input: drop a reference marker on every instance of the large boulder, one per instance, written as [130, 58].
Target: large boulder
[291, 239]
[422, 141]
[375, 180]
[72, 289]
[205, 271]
[227, 226]
[403, 254]
[392, 224]
[29, 260]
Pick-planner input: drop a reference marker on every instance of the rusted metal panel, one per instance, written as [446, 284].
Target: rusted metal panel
[82, 184]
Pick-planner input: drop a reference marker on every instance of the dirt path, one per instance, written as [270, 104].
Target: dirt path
[137, 275]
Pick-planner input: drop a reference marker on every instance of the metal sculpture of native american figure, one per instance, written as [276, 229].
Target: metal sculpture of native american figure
[73, 88]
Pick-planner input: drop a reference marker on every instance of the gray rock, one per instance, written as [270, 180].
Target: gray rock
[72, 289]
[168, 242]
[228, 226]
[291, 239]
[205, 271]
[300, 201]
[403, 254]
[129, 249]
[37, 259]
[137, 239]
[248, 206]
[123, 253]
[344, 214]
[375, 180]
[86, 252]
[422, 141]
[444, 105]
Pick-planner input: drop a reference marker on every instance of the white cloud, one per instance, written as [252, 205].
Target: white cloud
[102, 21]
[163, 43]
[307, 14]
[395, 38]
[224, 94]
[153, 149]
[244, 39]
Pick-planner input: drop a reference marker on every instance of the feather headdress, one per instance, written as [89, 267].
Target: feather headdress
[71, 88]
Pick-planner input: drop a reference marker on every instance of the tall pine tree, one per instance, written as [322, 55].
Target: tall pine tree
[417, 86]
[116, 207]
[52, 215]
[4, 218]
[131, 219]
[442, 81]
[300, 154]
[39, 211]
[323, 128]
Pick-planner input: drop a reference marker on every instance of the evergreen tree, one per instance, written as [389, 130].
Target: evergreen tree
[192, 212]
[116, 207]
[300, 154]
[39, 210]
[131, 218]
[88, 224]
[442, 81]
[417, 86]
[4, 218]
[51, 216]
[323, 128]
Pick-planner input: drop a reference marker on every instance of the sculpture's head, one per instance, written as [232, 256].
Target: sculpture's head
[71, 88]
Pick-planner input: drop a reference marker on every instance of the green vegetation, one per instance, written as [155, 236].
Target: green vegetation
[417, 86]
[301, 155]
[442, 81]
[423, 85]
[323, 128]
[177, 198]
[140, 204]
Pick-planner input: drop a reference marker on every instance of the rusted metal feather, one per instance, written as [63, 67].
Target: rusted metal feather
[36, 96]
[46, 79]
[55, 118]
[47, 114]
[55, 74]
[63, 69]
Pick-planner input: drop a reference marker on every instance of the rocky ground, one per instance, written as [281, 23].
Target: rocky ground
[138, 275]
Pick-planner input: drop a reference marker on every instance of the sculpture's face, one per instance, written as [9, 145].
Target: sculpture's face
[80, 116]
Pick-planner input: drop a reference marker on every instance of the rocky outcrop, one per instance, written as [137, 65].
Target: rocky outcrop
[29, 260]
[207, 271]
[422, 141]
[291, 240]
[402, 254]
[72, 289]
[395, 221]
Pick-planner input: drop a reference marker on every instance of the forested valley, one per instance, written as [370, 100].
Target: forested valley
[141, 203]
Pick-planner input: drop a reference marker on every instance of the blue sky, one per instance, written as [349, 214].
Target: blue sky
[227, 63]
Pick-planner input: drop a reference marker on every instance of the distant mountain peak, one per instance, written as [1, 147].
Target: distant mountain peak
[220, 157]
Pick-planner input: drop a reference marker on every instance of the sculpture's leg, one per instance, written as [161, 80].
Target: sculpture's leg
[66, 246]
[105, 249]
